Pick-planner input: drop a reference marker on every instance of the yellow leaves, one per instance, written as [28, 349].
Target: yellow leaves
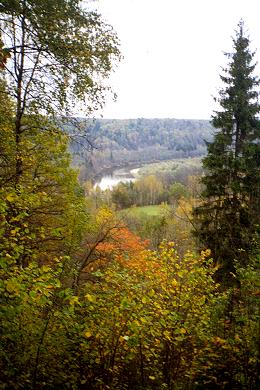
[219, 341]
[45, 268]
[174, 283]
[104, 215]
[237, 338]
[145, 311]
[74, 300]
[122, 339]
[136, 322]
[151, 293]
[167, 335]
[88, 334]
[90, 298]
[12, 287]
[10, 198]
[157, 305]
[205, 254]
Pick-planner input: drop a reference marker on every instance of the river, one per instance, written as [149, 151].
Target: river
[122, 175]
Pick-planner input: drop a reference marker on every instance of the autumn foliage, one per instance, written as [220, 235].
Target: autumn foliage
[85, 302]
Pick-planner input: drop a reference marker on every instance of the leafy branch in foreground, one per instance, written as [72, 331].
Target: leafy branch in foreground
[59, 56]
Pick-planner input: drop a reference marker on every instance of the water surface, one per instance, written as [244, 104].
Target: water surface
[123, 175]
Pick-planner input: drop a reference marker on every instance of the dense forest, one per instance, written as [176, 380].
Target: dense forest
[116, 143]
[153, 284]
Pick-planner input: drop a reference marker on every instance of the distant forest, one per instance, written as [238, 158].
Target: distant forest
[105, 144]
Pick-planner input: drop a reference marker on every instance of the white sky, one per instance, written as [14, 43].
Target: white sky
[173, 53]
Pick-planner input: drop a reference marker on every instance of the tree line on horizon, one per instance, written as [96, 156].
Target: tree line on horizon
[122, 142]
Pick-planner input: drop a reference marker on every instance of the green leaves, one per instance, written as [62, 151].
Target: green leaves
[70, 49]
[129, 324]
[132, 316]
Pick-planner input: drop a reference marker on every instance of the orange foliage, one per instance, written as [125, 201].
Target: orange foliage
[125, 247]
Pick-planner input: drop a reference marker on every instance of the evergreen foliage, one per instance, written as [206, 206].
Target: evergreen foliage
[228, 218]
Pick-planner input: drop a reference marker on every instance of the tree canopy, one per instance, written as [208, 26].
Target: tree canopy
[227, 219]
[59, 54]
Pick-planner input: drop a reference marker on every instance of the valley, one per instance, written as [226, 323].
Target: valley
[126, 144]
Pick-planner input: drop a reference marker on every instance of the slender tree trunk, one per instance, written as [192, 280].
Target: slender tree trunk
[37, 359]
[19, 70]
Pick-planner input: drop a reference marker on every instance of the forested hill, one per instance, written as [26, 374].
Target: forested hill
[119, 142]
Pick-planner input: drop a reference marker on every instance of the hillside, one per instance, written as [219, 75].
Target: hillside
[132, 141]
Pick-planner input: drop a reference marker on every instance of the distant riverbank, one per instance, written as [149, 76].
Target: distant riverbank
[177, 169]
[122, 175]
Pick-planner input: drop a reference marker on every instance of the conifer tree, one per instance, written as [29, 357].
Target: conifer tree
[227, 220]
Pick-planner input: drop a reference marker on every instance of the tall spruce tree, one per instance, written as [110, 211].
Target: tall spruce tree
[227, 220]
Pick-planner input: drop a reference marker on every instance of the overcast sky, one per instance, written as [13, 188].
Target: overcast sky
[173, 53]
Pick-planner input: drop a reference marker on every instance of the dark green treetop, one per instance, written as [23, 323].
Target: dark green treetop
[228, 218]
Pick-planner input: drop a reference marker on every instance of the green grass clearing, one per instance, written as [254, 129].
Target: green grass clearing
[150, 211]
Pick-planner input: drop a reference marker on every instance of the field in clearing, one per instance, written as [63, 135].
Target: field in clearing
[150, 211]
